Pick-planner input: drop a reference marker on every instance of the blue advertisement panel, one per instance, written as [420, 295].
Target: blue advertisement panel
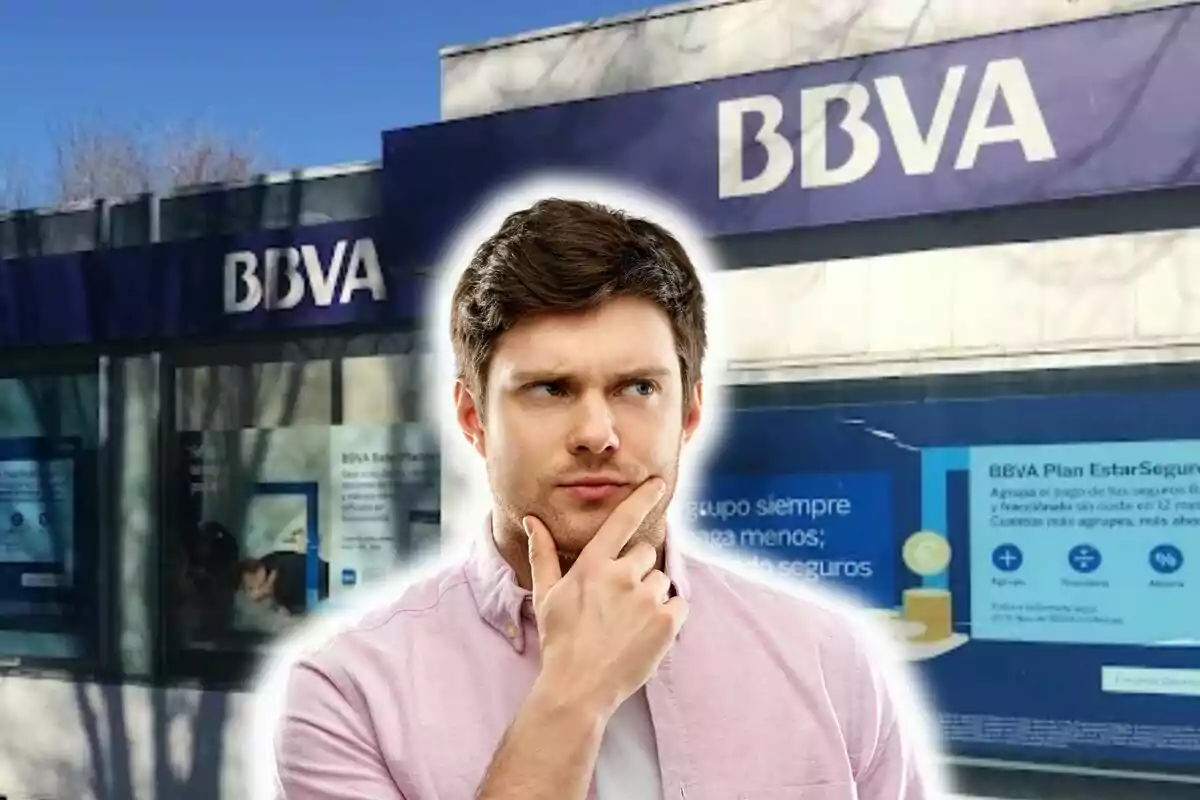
[1037, 556]
[1082, 109]
[44, 485]
[305, 277]
[817, 526]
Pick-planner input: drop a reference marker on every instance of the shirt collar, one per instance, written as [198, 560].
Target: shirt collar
[502, 602]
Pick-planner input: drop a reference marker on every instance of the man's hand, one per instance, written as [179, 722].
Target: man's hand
[604, 628]
[607, 624]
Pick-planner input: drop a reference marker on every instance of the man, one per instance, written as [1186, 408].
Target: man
[578, 652]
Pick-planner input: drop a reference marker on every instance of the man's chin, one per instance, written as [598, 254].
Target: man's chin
[581, 521]
[574, 534]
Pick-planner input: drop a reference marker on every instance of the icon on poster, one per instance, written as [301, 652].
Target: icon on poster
[349, 577]
[1084, 558]
[1008, 558]
[924, 622]
[926, 553]
[1166, 559]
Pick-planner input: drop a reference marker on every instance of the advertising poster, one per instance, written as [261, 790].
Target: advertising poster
[278, 521]
[1037, 556]
[42, 592]
[386, 486]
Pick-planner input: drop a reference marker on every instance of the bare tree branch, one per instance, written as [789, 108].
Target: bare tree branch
[16, 188]
[92, 158]
[193, 154]
[92, 161]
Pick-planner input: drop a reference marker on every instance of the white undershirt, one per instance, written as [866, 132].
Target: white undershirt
[627, 765]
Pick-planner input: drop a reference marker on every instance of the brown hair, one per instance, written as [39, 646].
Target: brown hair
[562, 256]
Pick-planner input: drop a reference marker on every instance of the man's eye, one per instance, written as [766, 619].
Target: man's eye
[549, 388]
[641, 388]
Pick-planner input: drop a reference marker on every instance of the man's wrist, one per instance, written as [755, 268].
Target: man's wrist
[569, 704]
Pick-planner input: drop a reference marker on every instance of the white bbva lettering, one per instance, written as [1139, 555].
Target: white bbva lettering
[282, 284]
[919, 151]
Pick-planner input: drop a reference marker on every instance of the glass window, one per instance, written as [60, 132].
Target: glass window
[309, 201]
[51, 558]
[297, 474]
[24, 234]
[338, 198]
[386, 465]
[129, 222]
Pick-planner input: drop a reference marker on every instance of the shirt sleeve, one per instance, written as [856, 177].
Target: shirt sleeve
[899, 758]
[894, 773]
[325, 749]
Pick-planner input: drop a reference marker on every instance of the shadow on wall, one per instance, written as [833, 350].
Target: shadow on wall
[97, 742]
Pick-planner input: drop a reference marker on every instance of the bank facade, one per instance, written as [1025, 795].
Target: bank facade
[961, 249]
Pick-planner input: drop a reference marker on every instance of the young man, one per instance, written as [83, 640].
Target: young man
[578, 652]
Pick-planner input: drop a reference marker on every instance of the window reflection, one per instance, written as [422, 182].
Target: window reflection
[300, 477]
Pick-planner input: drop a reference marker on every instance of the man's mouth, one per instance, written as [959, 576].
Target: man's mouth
[593, 488]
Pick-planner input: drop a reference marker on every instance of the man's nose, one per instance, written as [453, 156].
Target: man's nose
[593, 427]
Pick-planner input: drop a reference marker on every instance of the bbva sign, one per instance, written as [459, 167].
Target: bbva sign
[283, 277]
[920, 151]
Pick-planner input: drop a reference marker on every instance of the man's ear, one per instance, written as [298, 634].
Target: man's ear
[470, 418]
[691, 420]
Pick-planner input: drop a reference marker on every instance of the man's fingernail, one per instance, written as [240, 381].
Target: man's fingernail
[525, 526]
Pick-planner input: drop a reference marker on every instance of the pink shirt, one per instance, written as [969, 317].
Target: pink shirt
[764, 696]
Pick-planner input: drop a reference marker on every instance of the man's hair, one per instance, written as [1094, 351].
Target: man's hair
[567, 256]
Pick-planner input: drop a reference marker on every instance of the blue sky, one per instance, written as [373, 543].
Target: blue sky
[313, 81]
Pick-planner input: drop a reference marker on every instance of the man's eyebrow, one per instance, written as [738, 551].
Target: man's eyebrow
[644, 372]
[524, 376]
[521, 377]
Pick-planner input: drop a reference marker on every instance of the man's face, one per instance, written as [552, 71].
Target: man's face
[581, 409]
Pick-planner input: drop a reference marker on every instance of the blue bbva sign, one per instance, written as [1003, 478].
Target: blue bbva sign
[1093, 107]
[302, 278]
[764, 142]
[287, 277]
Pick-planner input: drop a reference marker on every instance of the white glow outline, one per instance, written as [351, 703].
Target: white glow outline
[904, 687]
